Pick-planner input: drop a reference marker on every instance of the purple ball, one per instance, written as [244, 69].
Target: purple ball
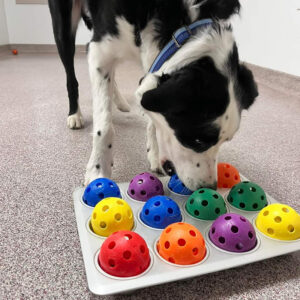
[145, 186]
[233, 232]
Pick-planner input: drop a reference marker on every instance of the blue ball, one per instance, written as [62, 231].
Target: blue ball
[160, 211]
[99, 189]
[176, 186]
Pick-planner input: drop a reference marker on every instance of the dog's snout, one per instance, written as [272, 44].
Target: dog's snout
[169, 168]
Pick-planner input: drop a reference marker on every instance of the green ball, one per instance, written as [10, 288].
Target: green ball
[247, 196]
[206, 204]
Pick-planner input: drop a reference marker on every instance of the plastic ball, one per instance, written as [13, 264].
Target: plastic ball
[206, 204]
[100, 189]
[233, 232]
[160, 211]
[279, 221]
[228, 176]
[177, 186]
[182, 244]
[14, 52]
[247, 196]
[124, 254]
[111, 215]
[145, 186]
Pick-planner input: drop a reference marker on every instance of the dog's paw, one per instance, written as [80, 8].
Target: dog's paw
[75, 121]
[154, 162]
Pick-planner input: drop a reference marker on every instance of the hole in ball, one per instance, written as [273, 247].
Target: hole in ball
[204, 203]
[94, 215]
[240, 191]
[168, 230]
[201, 191]
[192, 201]
[291, 228]
[227, 218]
[215, 196]
[192, 233]
[127, 254]
[227, 175]
[140, 181]
[167, 244]
[284, 209]
[171, 260]
[105, 208]
[157, 203]
[170, 210]
[142, 249]
[132, 192]
[255, 205]
[152, 178]
[213, 230]
[217, 210]
[127, 237]
[266, 213]
[102, 224]
[111, 245]
[101, 195]
[234, 229]
[252, 189]
[156, 218]
[118, 217]
[111, 263]
[195, 251]
[119, 202]
[277, 219]
[181, 242]
[143, 192]
[221, 239]
[250, 234]
[270, 231]
[239, 246]
[243, 219]
[147, 212]
[242, 205]
[196, 212]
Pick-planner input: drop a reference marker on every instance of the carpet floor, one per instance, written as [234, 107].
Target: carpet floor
[42, 162]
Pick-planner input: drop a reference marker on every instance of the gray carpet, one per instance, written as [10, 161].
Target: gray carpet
[42, 162]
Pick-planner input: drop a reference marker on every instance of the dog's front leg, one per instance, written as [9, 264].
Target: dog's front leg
[100, 68]
[152, 148]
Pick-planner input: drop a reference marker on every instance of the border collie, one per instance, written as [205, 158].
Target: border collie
[193, 99]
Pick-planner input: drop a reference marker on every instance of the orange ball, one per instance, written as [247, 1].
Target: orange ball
[228, 176]
[14, 51]
[182, 244]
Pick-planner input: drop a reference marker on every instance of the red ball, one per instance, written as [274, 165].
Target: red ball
[124, 254]
[14, 51]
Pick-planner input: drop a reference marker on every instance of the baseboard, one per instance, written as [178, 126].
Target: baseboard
[37, 48]
[4, 49]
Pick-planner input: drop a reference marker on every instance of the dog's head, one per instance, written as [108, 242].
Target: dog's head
[195, 102]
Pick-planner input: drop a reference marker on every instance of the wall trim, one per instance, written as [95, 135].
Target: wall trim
[41, 48]
[32, 1]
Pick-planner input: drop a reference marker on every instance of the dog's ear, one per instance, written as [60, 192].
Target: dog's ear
[247, 87]
[218, 9]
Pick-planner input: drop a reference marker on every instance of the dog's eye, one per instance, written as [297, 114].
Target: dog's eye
[198, 141]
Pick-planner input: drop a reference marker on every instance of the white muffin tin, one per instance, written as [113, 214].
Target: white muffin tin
[161, 271]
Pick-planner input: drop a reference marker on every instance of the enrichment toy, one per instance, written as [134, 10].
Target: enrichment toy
[176, 186]
[228, 176]
[247, 196]
[99, 189]
[124, 254]
[233, 232]
[160, 211]
[182, 244]
[144, 186]
[14, 52]
[279, 221]
[206, 204]
[111, 215]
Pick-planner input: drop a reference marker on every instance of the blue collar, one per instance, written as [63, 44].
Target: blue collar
[178, 39]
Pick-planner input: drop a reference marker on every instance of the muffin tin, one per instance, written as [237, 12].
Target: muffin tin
[160, 271]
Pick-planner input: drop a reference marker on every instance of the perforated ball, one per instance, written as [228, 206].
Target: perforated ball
[206, 204]
[247, 196]
[111, 215]
[233, 232]
[228, 176]
[279, 221]
[144, 186]
[182, 244]
[124, 254]
[99, 189]
[177, 186]
[160, 211]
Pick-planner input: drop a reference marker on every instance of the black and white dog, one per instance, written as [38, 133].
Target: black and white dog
[194, 99]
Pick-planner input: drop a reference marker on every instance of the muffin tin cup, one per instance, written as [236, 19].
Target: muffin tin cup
[207, 238]
[153, 228]
[270, 238]
[92, 207]
[241, 210]
[177, 265]
[174, 193]
[88, 226]
[203, 220]
[123, 278]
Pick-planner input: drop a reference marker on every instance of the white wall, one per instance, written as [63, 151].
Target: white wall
[31, 24]
[3, 27]
[268, 34]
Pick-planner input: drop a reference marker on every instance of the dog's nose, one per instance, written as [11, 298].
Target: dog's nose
[169, 168]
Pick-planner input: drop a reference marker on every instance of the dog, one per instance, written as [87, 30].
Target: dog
[193, 100]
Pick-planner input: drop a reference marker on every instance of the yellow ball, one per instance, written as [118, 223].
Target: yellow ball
[110, 215]
[279, 221]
